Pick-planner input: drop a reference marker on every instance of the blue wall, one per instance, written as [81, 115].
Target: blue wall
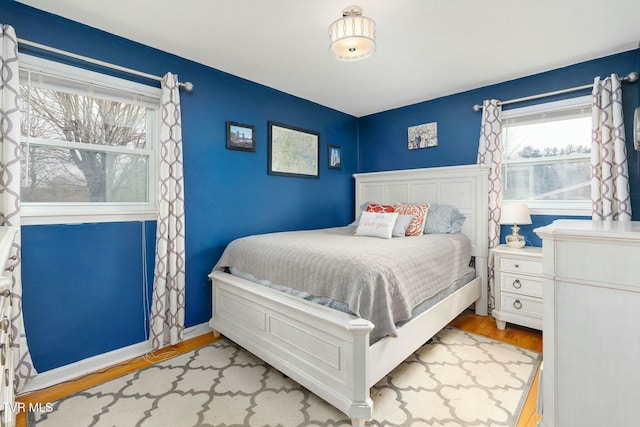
[83, 284]
[383, 136]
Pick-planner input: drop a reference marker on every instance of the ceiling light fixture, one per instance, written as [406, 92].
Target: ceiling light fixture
[353, 37]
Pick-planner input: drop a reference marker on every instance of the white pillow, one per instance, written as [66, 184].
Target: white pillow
[374, 224]
[402, 223]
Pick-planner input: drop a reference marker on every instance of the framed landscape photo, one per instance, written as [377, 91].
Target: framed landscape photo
[293, 151]
[241, 137]
[335, 157]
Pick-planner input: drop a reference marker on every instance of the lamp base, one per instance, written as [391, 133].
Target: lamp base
[515, 241]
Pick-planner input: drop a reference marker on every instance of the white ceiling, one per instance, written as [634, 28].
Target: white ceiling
[425, 48]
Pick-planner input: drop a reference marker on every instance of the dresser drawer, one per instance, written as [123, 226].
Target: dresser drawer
[516, 265]
[518, 304]
[522, 285]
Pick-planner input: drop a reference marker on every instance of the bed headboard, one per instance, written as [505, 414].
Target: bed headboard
[465, 187]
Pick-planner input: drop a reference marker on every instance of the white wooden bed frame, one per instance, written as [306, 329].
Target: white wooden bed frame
[328, 351]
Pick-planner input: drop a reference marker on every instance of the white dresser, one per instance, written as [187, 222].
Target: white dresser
[7, 391]
[518, 286]
[591, 342]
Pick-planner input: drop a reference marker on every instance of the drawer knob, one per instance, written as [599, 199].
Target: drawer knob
[8, 294]
[516, 265]
[10, 268]
[517, 304]
[517, 284]
[3, 354]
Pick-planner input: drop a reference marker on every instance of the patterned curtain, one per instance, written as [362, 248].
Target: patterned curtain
[610, 198]
[10, 194]
[168, 305]
[490, 153]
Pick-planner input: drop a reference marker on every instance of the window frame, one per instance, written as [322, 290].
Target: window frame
[39, 213]
[550, 207]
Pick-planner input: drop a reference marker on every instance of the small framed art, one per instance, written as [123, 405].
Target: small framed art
[241, 137]
[335, 157]
[423, 136]
[293, 151]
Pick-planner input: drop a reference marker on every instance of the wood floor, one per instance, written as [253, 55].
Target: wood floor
[468, 321]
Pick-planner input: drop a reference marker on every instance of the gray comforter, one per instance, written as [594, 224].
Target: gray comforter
[381, 280]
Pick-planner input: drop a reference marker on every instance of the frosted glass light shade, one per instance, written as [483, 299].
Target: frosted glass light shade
[353, 37]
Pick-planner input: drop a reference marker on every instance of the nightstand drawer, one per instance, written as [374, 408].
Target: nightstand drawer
[521, 305]
[520, 265]
[522, 285]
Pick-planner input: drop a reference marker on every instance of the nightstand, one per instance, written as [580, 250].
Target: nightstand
[518, 286]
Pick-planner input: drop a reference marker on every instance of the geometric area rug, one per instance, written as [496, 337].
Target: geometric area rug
[457, 379]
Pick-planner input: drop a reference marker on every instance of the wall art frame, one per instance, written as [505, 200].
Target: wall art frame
[335, 157]
[241, 137]
[293, 151]
[423, 136]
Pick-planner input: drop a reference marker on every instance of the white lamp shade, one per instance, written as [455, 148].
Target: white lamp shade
[353, 37]
[515, 214]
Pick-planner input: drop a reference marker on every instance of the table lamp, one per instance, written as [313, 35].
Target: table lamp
[515, 214]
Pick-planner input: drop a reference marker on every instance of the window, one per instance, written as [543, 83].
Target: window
[546, 157]
[88, 145]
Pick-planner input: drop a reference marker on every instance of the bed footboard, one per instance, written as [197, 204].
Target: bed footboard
[324, 350]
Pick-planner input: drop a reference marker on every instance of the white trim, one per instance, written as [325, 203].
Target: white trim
[83, 146]
[555, 207]
[83, 214]
[101, 361]
[569, 210]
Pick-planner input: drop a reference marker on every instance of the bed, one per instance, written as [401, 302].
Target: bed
[331, 352]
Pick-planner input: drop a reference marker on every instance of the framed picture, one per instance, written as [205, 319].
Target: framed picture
[423, 136]
[293, 151]
[241, 137]
[335, 157]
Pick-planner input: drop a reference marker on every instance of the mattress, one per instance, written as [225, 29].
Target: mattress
[381, 280]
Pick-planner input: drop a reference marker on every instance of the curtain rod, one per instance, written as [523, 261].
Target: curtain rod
[630, 78]
[187, 85]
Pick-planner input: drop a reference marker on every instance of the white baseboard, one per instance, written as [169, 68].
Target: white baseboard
[101, 361]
